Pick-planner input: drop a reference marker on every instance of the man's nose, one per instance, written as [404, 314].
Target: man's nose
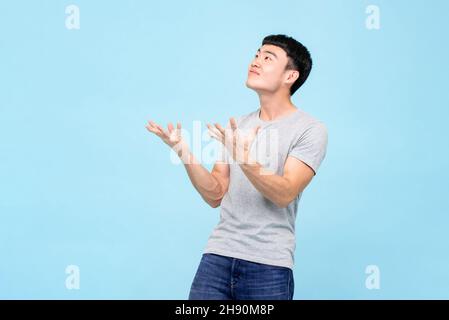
[255, 63]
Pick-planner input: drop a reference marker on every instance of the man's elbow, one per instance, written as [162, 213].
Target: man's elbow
[285, 201]
[215, 203]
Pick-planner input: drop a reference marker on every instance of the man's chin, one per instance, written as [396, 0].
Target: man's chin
[250, 85]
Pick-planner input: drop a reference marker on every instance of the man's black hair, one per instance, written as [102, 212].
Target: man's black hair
[298, 57]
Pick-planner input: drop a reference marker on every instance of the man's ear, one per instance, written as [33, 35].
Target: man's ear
[292, 76]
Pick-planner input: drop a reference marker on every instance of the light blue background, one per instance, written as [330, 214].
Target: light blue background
[83, 182]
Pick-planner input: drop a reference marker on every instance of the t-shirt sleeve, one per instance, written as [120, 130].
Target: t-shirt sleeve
[311, 146]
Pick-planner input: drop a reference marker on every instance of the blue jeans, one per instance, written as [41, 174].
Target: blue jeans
[225, 278]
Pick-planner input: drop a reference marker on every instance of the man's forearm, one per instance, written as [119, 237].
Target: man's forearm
[204, 182]
[272, 186]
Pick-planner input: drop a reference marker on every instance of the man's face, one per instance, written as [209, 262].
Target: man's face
[266, 72]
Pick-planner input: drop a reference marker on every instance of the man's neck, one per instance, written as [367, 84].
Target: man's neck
[273, 106]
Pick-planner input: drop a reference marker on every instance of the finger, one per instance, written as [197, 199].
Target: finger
[153, 130]
[161, 130]
[158, 130]
[214, 130]
[178, 126]
[213, 135]
[155, 127]
[154, 124]
[233, 124]
[170, 127]
[220, 128]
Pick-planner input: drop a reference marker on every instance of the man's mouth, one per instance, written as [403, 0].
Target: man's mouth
[255, 72]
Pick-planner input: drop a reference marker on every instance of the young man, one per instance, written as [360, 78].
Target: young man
[250, 253]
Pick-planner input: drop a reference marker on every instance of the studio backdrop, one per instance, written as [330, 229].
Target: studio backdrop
[93, 206]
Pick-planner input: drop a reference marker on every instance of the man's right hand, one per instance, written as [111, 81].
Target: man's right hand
[172, 137]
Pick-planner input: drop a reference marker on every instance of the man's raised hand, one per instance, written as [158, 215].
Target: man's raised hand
[172, 136]
[236, 143]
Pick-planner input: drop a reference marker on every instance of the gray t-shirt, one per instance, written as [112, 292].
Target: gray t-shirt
[251, 227]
